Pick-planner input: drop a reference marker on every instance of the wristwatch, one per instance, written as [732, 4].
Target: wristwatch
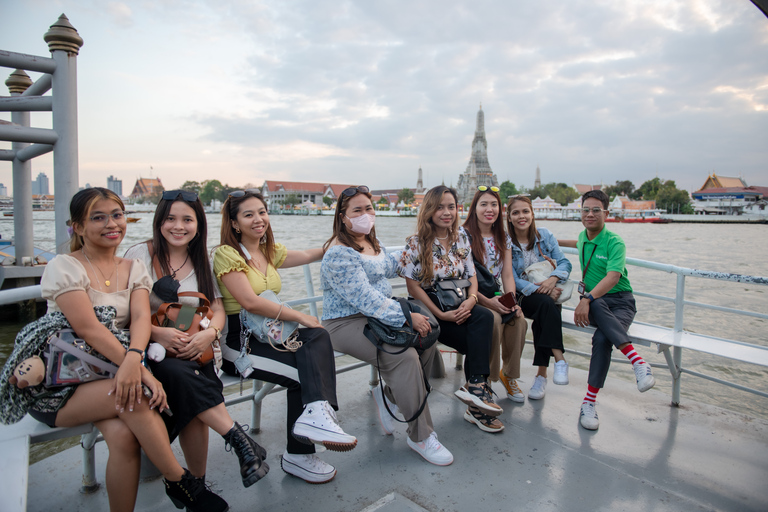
[138, 351]
[588, 296]
[218, 333]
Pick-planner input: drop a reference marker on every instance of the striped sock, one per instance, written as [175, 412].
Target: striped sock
[591, 394]
[633, 356]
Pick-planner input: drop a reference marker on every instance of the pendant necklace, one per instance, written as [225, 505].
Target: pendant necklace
[173, 272]
[106, 279]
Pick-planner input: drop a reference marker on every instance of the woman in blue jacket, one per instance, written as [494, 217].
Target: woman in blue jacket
[530, 245]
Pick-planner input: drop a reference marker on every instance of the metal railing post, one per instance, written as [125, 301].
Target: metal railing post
[310, 290]
[677, 352]
[64, 43]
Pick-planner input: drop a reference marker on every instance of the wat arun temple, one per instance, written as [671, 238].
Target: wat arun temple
[478, 170]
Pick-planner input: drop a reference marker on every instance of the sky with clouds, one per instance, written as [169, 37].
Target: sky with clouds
[366, 92]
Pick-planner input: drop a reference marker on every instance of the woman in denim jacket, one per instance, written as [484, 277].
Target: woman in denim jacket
[530, 245]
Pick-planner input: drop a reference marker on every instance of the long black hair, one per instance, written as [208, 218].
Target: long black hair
[198, 250]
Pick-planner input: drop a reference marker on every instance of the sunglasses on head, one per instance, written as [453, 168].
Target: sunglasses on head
[351, 191]
[170, 195]
[483, 188]
[241, 193]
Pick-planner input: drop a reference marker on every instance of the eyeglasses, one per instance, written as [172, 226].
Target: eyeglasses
[594, 209]
[483, 188]
[102, 219]
[187, 195]
[351, 191]
[241, 193]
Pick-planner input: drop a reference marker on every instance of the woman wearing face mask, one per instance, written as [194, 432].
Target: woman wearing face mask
[354, 277]
[441, 249]
[178, 253]
[489, 248]
[245, 265]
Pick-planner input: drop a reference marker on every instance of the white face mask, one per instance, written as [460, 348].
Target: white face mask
[363, 224]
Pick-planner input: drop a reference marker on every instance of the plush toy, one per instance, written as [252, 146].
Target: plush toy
[29, 372]
[156, 352]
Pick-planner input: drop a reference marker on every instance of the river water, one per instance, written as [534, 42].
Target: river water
[734, 248]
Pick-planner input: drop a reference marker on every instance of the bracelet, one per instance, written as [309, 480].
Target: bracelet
[474, 297]
[138, 351]
[218, 332]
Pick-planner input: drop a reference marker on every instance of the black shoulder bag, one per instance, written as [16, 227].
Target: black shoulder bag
[380, 333]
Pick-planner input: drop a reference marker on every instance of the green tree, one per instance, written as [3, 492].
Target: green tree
[291, 199]
[507, 189]
[327, 201]
[405, 196]
[672, 199]
[650, 189]
[192, 186]
[559, 192]
[383, 200]
[621, 188]
[211, 189]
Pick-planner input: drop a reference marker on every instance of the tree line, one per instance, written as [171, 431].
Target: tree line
[664, 192]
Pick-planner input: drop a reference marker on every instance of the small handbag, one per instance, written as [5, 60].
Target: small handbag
[279, 334]
[380, 333]
[541, 271]
[70, 360]
[189, 319]
[486, 282]
[404, 336]
[449, 293]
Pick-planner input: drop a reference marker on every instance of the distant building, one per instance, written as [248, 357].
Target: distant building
[115, 185]
[419, 183]
[715, 181]
[723, 195]
[583, 189]
[3, 190]
[146, 187]
[40, 185]
[478, 170]
[537, 181]
[275, 192]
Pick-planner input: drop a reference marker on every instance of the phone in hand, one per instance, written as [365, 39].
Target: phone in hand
[508, 300]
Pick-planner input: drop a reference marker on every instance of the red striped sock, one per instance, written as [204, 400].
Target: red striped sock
[591, 394]
[633, 356]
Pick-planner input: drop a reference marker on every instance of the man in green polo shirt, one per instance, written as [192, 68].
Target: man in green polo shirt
[606, 302]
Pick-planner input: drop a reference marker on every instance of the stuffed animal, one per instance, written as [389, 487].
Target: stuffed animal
[29, 372]
[156, 352]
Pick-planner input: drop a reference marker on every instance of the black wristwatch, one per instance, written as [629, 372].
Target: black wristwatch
[138, 351]
[588, 296]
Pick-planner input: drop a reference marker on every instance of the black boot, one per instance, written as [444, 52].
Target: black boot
[192, 493]
[250, 454]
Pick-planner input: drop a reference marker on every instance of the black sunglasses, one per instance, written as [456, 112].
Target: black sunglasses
[241, 193]
[187, 195]
[352, 191]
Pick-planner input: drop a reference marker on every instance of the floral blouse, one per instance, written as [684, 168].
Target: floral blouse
[357, 283]
[454, 263]
[493, 261]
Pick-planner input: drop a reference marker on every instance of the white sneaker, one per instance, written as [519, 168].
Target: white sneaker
[561, 373]
[588, 417]
[386, 419]
[645, 380]
[309, 467]
[432, 450]
[318, 425]
[538, 389]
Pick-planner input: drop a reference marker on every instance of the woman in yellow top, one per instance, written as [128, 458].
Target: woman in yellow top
[245, 265]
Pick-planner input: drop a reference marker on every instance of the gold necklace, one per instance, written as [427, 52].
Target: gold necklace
[106, 279]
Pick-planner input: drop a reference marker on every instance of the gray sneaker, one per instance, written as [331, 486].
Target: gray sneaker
[645, 380]
[538, 389]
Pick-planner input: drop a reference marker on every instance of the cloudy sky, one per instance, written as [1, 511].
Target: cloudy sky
[366, 92]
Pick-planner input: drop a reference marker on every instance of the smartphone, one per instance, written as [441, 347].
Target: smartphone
[508, 300]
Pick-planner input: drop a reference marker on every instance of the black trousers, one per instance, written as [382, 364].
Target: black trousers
[309, 374]
[612, 314]
[547, 326]
[473, 339]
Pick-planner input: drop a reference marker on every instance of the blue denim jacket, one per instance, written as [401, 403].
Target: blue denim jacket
[549, 246]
